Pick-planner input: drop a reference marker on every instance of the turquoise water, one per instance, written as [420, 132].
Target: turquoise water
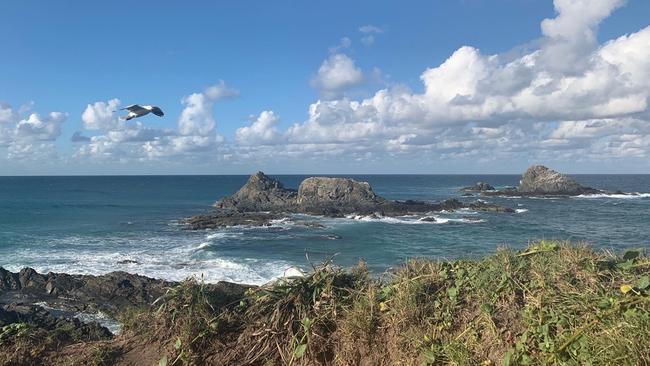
[89, 224]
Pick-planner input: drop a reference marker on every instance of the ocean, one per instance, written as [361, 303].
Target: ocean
[98, 224]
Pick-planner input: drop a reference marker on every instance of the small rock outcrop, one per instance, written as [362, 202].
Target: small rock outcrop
[478, 187]
[539, 180]
[260, 193]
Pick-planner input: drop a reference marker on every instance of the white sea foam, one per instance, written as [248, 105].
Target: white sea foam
[155, 258]
[521, 210]
[203, 245]
[412, 220]
[634, 195]
[106, 321]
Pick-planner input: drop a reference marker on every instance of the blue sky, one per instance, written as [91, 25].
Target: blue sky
[290, 58]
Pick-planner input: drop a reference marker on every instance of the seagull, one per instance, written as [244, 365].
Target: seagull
[139, 111]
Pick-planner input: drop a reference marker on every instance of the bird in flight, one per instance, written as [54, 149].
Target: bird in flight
[139, 111]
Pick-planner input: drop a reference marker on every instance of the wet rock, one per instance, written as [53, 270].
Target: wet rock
[226, 218]
[128, 261]
[428, 219]
[478, 187]
[64, 329]
[489, 207]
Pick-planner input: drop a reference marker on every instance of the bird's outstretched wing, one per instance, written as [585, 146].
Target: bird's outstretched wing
[133, 108]
[157, 111]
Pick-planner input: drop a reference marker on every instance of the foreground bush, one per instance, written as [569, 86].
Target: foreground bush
[550, 304]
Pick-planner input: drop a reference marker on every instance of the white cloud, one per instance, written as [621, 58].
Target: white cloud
[262, 131]
[29, 137]
[369, 29]
[472, 100]
[101, 115]
[337, 73]
[197, 117]
[40, 128]
[220, 91]
[369, 32]
[344, 43]
[121, 141]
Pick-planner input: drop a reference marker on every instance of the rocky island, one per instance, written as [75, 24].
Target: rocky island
[537, 180]
[263, 199]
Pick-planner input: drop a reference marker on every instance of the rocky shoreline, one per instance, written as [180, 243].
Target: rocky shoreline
[50, 304]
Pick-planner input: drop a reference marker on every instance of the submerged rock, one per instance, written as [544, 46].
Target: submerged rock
[489, 207]
[230, 217]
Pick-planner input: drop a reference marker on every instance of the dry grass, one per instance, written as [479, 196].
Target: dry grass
[552, 303]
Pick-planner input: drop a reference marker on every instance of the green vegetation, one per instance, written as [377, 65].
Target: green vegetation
[551, 304]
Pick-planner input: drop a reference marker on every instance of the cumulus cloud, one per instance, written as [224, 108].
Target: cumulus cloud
[563, 96]
[101, 115]
[29, 136]
[569, 94]
[336, 74]
[262, 131]
[195, 132]
[40, 128]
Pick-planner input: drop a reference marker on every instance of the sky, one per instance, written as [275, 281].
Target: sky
[288, 87]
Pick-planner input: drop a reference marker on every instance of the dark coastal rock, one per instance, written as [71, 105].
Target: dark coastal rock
[478, 187]
[230, 217]
[65, 329]
[428, 219]
[489, 207]
[128, 261]
[260, 193]
[109, 292]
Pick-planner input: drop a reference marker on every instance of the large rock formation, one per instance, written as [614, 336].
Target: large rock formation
[263, 199]
[260, 193]
[540, 180]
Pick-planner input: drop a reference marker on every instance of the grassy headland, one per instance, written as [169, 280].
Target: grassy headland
[553, 303]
